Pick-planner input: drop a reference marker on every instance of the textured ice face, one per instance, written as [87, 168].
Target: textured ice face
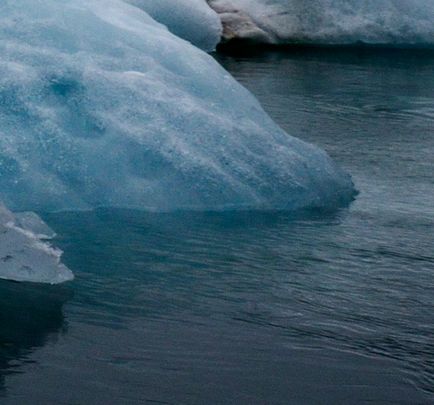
[192, 20]
[25, 255]
[101, 106]
[340, 21]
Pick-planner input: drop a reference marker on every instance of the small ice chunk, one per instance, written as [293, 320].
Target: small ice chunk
[24, 253]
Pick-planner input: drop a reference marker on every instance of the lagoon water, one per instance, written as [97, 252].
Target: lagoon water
[256, 307]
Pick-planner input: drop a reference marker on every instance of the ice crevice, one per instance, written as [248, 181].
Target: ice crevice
[238, 25]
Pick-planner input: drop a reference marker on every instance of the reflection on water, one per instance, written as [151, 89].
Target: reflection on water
[30, 315]
[243, 307]
[372, 110]
[345, 280]
[255, 307]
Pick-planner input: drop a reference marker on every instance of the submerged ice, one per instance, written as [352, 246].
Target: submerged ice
[102, 106]
[392, 22]
[25, 254]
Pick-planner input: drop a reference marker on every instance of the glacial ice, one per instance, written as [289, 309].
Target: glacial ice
[25, 255]
[192, 20]
[102, 106]
[386, 22]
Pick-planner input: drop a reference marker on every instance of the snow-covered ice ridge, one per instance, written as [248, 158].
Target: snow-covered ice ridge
[102, 106]
[328, 22]
[25, 254]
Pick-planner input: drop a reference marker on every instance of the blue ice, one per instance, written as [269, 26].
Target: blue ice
[192, 20]
[101, 106]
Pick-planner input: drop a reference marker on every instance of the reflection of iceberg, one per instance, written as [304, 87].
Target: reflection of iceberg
[29, 315]
[24, 253]
[394, 22]
[101, 106]
[192, 20]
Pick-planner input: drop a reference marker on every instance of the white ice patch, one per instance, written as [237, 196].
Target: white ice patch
[25, 254]
[392, 22]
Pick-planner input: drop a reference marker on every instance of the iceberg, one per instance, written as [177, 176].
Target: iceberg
[328, 22]
[192, 20]
[101, 106]
[25, 254]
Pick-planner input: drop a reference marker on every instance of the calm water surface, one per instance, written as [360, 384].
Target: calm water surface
[256, 308]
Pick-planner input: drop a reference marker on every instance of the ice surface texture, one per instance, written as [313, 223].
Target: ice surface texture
[192, 20]
[25, 255]
[398, 22]
[102, 106]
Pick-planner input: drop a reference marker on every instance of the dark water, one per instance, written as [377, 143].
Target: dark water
[256, 308]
